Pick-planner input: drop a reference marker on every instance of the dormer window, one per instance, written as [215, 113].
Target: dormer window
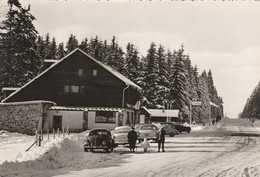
[80, 72]
[94, 72]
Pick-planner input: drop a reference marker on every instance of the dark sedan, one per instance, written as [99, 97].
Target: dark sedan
[99, 138]
[182, 128]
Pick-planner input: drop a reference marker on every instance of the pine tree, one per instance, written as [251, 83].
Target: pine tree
[115, 57]
[61, 51]
[131, 67]
[40, 47]
[178, 79]
[53, 49]
[84, 45]
[150, 76]
[47, 47]
[163, 86]
[18, 55]
[72, 43]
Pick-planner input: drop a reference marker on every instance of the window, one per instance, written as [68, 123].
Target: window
[127, 118]
[74, 89]
[80, 72]
[82, 89]
[132, 117]
[67, 89]
[94, 72]
[105, 117]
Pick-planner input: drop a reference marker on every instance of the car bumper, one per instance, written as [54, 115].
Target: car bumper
[97, 147]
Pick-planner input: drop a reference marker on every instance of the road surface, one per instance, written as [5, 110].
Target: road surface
[232, 149]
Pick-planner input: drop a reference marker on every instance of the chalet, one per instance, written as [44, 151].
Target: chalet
[87, 94]
[158, 115]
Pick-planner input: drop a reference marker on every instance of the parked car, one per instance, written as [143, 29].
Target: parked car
[148, 131]
[182, 128]
[138, 125]
[120, 135]
[169, 129]
[99, 138]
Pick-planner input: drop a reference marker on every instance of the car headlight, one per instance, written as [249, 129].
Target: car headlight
[104, 142]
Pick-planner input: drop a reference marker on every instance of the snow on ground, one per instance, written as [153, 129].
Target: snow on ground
[13, 147]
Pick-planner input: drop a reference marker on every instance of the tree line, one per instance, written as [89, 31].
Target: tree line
[166, 76]
[252, 108]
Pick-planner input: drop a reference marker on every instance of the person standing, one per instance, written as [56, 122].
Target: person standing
[132, 137]
[161, 139]
[145, 145]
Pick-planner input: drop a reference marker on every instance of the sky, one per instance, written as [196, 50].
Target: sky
[223, 36]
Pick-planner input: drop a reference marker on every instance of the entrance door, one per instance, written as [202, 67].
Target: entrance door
[57, 122]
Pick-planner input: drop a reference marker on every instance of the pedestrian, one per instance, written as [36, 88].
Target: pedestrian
[132, 137]
[161, 139]
[145, 145]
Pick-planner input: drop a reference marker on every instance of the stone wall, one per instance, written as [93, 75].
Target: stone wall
[23, 117]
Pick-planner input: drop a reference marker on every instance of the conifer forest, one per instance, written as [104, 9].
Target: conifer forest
[166, 76]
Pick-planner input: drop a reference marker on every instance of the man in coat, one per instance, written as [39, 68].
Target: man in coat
[161, 139]
[132, 137]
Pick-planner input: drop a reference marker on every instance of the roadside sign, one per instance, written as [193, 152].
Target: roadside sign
[196, 103]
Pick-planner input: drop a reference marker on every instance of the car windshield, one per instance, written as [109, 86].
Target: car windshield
[148, 128]
[99, 133]
[123, 130]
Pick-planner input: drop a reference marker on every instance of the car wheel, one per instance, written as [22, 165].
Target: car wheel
[86, 149]
[172, 135]
[188, 131]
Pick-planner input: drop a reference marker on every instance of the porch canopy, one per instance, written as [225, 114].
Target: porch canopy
[76, 108]
[161, 115]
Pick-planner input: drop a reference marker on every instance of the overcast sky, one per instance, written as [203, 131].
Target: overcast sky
[221, 36]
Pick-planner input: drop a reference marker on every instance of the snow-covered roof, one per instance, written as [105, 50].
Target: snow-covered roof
[9, 88]
[146, 110]
[109, 69]
[213, 104]
[27, 102]
[50, 60]
[78, 108]
[163, 113]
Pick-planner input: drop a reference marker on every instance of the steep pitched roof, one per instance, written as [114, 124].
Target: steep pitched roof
[109, 69]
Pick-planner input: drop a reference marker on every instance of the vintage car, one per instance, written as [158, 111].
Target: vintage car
[99, 138]
[120, 135]
[169, 129]
[148, 131]
[182, 128]
[138, 125]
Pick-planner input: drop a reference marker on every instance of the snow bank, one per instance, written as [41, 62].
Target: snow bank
[13, 147]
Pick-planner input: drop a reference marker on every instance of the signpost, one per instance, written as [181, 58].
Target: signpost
[193, 103]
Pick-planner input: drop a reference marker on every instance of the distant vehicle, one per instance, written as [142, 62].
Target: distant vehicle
[148, 131]
[182, 128]
[98, 138]
[137, 126]
[120, 135]
[169, 129]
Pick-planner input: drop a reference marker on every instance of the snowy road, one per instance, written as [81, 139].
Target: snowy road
[232, 150]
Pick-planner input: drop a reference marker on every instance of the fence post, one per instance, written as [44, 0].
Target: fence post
[41, 135]
[68, 130]
[58, 132]
[36, 137]
[53, 133]
[48, 133]
[63, 131]
[40, 140]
